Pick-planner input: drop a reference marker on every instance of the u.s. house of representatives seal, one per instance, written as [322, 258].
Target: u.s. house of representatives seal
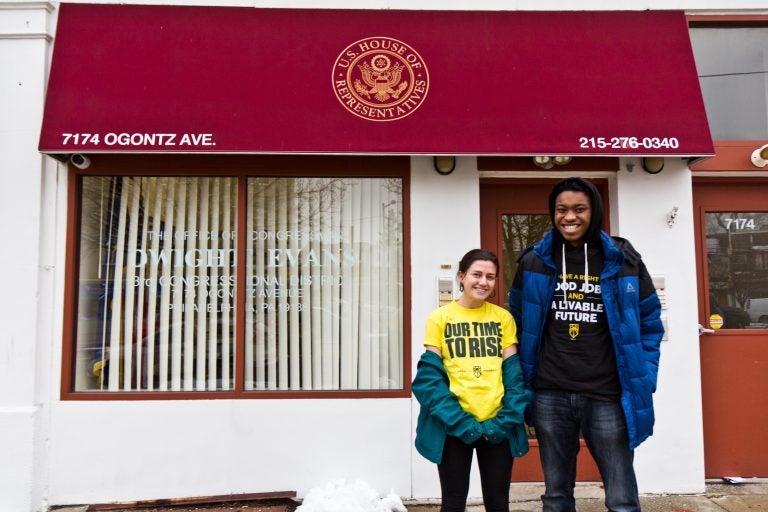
[380, 79]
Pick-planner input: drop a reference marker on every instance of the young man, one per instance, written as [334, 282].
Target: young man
[589, 327]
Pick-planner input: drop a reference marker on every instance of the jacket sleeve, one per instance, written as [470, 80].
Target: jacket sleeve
[516, 298]
[513, 403]
[651, 327]
[430, 386]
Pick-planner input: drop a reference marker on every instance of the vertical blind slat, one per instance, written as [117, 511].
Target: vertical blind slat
[188, 325]
[374, 213]
[357, 247]
[335, 285]
[270, 286]
[293, 287]
[141, 332]
[213, 299]
[178, 290]
[259, 303]
[202, 287]
[282, 279]
[130, 290]
[326, 291]
[116, 311]
[251, 315]
[348, 305]
[306, 313]
[165, 291]
[364, 327]
[153, 263]
[227, 227]
[316, 295]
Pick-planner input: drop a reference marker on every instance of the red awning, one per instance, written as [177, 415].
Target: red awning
[140, 78]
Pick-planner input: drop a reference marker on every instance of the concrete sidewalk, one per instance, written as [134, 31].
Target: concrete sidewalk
[719, 497]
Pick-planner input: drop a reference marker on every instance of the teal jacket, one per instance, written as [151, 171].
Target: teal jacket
[441, 415]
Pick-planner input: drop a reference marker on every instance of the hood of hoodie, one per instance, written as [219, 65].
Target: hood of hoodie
[576, 184]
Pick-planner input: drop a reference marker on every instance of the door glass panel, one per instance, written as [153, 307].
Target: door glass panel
[737, 257]
[518, 232]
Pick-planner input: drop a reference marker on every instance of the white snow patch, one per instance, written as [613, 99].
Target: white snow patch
[340, 496]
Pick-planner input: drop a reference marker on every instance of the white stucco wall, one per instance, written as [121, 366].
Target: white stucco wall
[672, 460]
[116, 451]
[26, 256]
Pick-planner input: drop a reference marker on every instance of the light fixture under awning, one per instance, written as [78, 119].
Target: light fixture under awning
[141, 78]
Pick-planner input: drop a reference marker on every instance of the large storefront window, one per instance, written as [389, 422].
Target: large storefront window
[158, 302]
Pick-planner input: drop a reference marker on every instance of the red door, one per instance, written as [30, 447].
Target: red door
[513, 215]
[731, 221]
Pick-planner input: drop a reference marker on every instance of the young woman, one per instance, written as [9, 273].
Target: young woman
[470, 388]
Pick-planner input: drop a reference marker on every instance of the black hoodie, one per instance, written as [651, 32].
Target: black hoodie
[577, 350]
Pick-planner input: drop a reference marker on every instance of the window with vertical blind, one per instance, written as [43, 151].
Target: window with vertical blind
[324, 283]
[238, 285]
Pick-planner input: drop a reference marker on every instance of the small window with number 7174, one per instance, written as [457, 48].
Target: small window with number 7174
[737, 263]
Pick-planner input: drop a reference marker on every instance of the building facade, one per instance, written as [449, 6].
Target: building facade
[225, 226]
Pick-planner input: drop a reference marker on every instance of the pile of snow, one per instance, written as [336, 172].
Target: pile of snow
[340, 496]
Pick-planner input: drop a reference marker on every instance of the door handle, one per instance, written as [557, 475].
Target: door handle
[704, 330]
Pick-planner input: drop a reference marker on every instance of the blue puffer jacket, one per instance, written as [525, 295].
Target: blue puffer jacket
[441, 415]
[632, 309]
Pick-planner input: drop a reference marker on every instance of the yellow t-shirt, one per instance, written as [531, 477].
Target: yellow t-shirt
[472, 342]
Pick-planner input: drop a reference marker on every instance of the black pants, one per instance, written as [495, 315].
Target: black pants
[495, 464]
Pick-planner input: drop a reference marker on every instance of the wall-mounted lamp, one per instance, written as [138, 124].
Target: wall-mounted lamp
[444, 164]
[760, 156]
[547, 162]
[653, 164]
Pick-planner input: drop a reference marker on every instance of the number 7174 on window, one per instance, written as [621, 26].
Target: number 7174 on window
[739, 224]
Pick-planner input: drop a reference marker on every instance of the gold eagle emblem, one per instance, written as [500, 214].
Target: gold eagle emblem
[382, 78]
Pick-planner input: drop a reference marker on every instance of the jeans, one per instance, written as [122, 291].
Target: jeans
[495, 464]
[558, 416]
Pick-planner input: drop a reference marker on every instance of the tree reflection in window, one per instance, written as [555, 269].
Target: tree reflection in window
[737, 259]
[518, 232]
